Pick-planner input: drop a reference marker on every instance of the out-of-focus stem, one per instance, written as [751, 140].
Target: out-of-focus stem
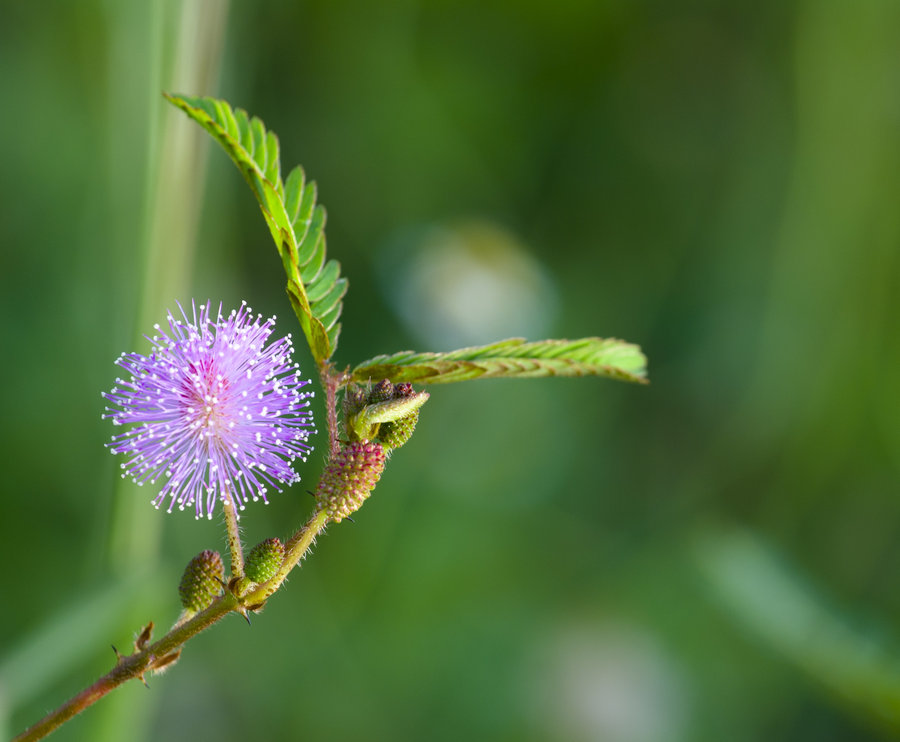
[175, 162]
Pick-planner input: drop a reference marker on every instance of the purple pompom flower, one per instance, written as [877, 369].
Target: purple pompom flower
[215, 412]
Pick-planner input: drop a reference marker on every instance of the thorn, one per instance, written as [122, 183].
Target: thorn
[310, 492]
[243, 612]
[118, 656]
[144, 681]
[347, 517]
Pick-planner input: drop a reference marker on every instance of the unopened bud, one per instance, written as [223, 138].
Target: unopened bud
[381, 392]
[395, 434]
[354, 400]
[365, 424]
[349, 478]
[403, 390]
[264, 559]
[201, 581]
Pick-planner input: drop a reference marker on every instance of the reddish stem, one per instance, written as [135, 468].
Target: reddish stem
[134, 665]
[330, 383]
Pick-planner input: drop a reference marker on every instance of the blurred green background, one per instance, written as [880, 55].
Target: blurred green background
[708, 558]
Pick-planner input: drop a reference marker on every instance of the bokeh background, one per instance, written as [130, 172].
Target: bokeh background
[711, 557]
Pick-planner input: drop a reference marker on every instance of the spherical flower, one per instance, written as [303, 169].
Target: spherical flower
[216, 414]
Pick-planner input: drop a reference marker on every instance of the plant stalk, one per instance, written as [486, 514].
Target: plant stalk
[234, 538]
[295, 550]
[331, 381]
[160, 653]
[131, 666]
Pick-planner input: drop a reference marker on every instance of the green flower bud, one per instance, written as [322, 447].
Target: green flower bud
[264, 560]
[349, 478]
[366, 423]
[201, 581]
[384, 412]
[395, 434]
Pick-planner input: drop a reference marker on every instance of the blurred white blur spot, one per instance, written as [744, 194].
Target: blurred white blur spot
[467, 284]
[611, 683]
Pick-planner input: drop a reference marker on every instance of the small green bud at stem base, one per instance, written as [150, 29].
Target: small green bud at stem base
[264, 559]
[201, 581]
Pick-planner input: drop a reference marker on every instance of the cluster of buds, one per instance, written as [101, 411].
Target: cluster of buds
[385, 412]
[204, 576]
[377, 419]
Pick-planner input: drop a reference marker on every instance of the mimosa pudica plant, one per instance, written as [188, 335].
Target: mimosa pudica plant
[215, 414]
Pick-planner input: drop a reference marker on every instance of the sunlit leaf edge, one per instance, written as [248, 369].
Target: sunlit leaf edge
[512, 358]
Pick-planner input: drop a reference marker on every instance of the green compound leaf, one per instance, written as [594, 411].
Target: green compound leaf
[514, 358]
[296, 223]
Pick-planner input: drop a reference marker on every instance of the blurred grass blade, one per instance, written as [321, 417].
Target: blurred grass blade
[765, 595]
[75, 634]
[513, 358]
[295, 222]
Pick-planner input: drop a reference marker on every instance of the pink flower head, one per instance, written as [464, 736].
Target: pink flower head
[215, 413]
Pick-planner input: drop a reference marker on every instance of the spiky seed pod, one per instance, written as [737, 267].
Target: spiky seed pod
[395, 434]
[201, 581]
[349, 478]
[264, 560]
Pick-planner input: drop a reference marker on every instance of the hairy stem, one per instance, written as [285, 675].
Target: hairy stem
[234, 539]
[331, 381]
[295, 549]
[132, 666]
[161, 653]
